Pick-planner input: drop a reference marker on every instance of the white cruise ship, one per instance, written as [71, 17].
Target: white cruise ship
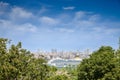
[59, 62]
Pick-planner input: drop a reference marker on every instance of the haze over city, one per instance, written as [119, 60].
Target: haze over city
[61, 24]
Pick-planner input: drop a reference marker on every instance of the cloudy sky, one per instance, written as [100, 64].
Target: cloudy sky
[61, 24]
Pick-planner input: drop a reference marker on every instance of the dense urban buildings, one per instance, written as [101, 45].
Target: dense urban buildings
[63, 58]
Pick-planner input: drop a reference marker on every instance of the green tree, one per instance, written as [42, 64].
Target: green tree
[17, 63]
[59, 77]
[100, 66]
[71, 71]
[12, 60]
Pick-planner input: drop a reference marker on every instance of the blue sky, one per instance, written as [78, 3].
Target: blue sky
[61, 24]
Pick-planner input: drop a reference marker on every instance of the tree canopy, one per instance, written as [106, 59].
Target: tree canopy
[103, 64]
[17, 63]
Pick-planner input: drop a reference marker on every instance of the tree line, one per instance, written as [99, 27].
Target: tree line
[17, 63]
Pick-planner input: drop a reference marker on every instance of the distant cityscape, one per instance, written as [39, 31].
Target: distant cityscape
[63, 58]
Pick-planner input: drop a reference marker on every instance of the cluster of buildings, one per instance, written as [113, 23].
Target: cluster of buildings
[63, 58]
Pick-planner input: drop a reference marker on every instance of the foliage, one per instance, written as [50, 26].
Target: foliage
[17, 63]
[59, 77]
[103, 64]
[72, 71]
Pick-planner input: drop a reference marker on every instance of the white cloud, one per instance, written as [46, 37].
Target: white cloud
[95, 18]
[106, 30]
[5, 23]
[69, 8]
[18, 28]
[83, 15]
[80, 15]
[65, 30]
[81, 28]
[3, 4]
[19, 13]
[3, 8]
[86, 20]
[42, 10]
[48, 21]
[27, 27]
[88, 23]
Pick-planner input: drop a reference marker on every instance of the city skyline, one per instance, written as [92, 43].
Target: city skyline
[63, 24]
